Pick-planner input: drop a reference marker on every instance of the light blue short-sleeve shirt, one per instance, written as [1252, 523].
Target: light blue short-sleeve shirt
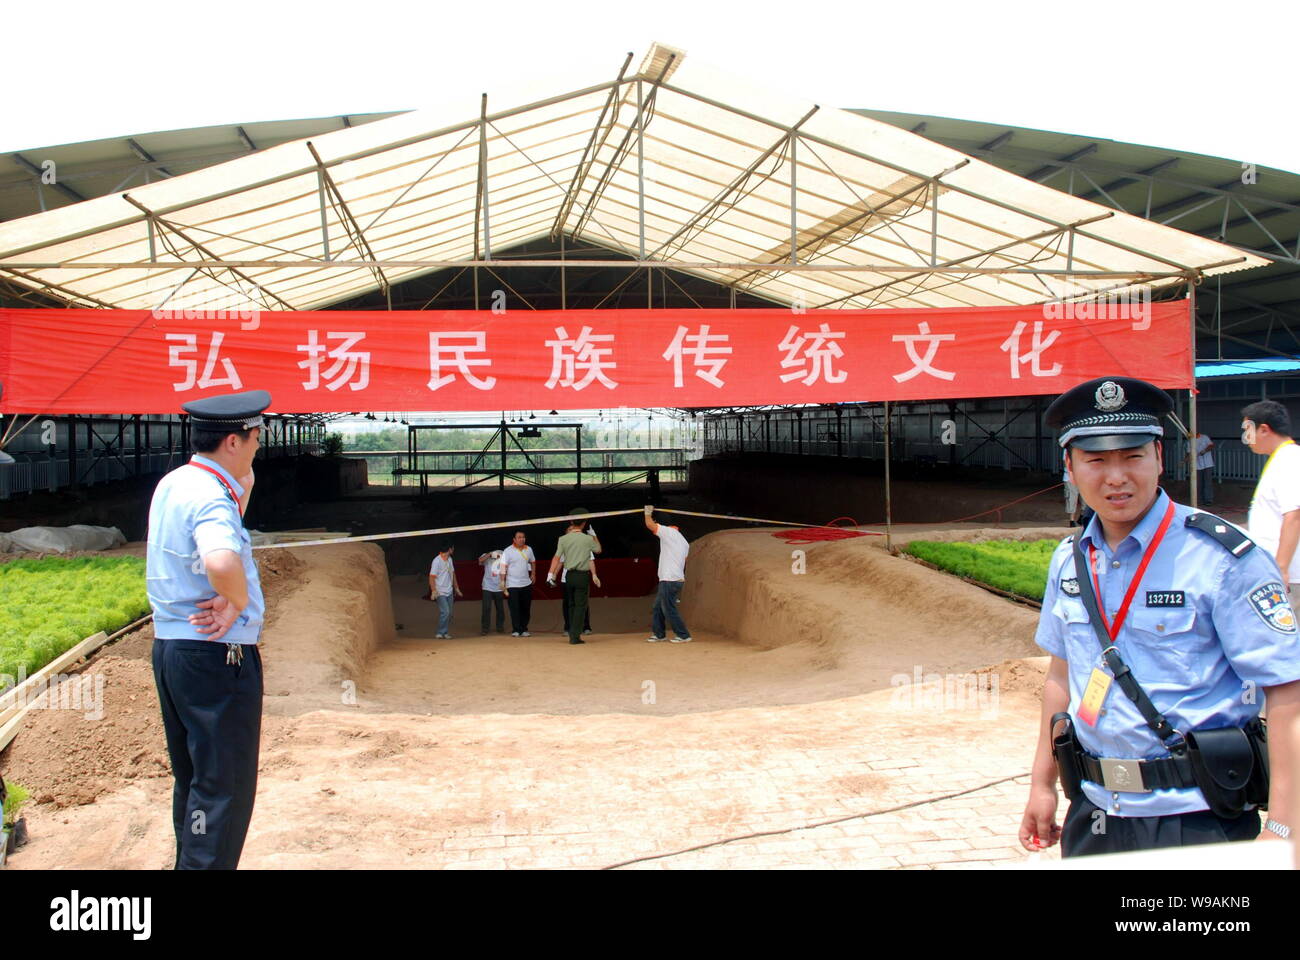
[192, 515]
[1205, 634]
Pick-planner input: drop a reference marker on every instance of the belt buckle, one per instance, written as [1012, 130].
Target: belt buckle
[1122, 776]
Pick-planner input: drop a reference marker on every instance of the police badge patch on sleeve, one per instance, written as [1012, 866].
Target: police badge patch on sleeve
[1271, 603]
[1070, 587]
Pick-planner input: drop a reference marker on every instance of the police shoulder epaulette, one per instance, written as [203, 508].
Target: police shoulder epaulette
[1228, 536]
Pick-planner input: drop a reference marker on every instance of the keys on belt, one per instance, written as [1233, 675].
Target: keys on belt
[1120, 775]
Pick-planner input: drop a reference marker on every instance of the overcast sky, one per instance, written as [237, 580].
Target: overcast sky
[1193, 77]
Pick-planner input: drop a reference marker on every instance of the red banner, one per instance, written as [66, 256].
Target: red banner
[126, 361]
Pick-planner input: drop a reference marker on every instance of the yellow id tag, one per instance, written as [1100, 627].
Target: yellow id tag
[1094, 696]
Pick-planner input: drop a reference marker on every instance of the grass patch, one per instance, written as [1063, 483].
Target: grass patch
[48, 606]
[1016, 566]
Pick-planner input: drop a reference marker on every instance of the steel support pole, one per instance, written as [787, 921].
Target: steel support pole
[324, 219]
[889, 499]
[934, 223]
[487, 229]
[794, 198]
[577, 443]
[72, 451]
[501, 481]
[1191, 396]
[640, 167]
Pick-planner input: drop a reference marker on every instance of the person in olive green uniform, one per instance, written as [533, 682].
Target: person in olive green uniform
[574, 552]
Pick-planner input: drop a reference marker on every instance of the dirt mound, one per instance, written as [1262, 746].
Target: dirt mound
[106, 728]
[1025, 675]
[280, 572]
[848, 604]
[112, 733]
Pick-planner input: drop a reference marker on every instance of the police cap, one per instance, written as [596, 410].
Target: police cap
[230, 412]
[1109, 413]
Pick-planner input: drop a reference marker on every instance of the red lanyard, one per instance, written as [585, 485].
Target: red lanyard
[224, 482]
[1113, 631]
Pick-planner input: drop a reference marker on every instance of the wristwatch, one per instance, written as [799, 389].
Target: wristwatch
[1281, 829]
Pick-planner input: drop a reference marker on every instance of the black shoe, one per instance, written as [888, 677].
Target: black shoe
[577, 641]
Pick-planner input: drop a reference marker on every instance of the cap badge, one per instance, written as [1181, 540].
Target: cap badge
[1110, 397]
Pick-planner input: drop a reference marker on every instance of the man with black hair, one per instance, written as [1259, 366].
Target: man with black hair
[442, 581]
[208, 611]
[673, 550]
[519, 564]
[1204, 469]
[1167, 631]
[1274, 519]
[573, 553]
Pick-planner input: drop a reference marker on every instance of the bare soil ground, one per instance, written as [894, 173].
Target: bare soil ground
[385, 747]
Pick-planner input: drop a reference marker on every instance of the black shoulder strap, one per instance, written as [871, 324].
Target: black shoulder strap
[1118, 668]
[1216, 528]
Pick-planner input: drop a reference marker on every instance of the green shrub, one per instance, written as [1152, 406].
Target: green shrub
[16, 795]
[1016, 566]
[49, 605]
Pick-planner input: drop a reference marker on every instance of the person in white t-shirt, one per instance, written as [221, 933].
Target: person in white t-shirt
[520, 566]
[442, 581]
[1204, 470]
[673, 549]
[1274, 520]
[492, 598]
[1071, 498]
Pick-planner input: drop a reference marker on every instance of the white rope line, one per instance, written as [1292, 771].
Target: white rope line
[569, 517]
[771, 523]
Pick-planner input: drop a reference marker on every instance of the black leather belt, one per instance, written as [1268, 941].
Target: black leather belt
[1138, 776]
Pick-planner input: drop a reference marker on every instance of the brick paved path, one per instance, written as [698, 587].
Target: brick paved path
[472, 792]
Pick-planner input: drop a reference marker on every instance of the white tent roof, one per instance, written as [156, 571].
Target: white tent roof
[881, 217]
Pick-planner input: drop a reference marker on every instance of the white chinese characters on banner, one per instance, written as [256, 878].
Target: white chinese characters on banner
[351, 367]
[571, 355]
[923, 364]
[444, 351]
[183, 343]
[817, 347]
[704, 352]
[1011, 346]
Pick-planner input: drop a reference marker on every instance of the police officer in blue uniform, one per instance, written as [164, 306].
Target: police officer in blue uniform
[1151, 706]
[208, 612]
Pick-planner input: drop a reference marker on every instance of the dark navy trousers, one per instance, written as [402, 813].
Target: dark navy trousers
[212, 716]
[1087, 831]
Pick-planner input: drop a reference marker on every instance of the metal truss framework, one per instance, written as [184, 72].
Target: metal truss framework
[492, 460]
[688, 176]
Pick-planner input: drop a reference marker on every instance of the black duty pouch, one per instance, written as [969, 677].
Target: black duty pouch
[1257, 789]
[1223, 762]
[1065, 751]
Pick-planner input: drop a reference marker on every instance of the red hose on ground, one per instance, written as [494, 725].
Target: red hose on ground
[823, 533]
